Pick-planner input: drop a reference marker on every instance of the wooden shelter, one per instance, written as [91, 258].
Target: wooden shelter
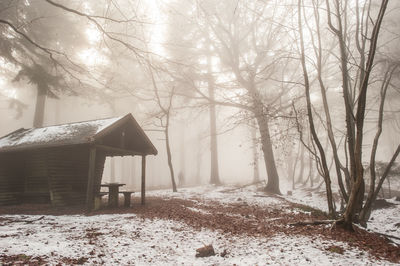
[64, 164]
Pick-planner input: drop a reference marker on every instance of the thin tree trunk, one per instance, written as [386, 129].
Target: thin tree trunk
[169, 155]
[293, 166]
[314, 135]
[364, 215]
[366, 211]
[357, 188]
[198, 160]
[39, 108]
[214, 178]
[327, 114]
[301, 172]
[181, 176]
[256, 170]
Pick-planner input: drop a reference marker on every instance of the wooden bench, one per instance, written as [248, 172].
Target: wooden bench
[127, 197]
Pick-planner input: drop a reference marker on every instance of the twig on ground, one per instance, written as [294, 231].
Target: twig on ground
[317, 222]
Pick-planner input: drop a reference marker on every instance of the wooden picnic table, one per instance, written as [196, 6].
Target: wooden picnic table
[113, 190]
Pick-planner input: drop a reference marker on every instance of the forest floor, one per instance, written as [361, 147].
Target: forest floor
[244, 226]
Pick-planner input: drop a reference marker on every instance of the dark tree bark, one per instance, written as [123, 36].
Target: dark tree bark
[373, 191]
[318, 53]
[356, 194]
[314, 134]
[169, 156]
[269, 159]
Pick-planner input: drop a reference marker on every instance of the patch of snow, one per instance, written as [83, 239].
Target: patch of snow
[55, 133]
[125, 239]
[106, 123]
[223, 194]
[386, 221]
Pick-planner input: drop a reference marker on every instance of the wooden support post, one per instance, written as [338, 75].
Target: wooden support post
[143, 179]
[91, 176]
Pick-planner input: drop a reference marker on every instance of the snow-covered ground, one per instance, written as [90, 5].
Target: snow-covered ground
[385, 221]
[126, 239]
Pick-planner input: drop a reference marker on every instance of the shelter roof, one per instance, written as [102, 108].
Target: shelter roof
[87, 132]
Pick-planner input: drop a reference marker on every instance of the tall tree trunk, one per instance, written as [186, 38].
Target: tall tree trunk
[39, 108]
[181, 176]
[366, 211]
[198, 160]
[256, 170]
[292, 166]
[314, 134]
[338, 166]
[357, 190]
[214, 178]
[301, 172]
[269, 159]
[347, 95]
[169, 155]
[310, 170]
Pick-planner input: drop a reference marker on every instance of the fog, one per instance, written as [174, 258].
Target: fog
[173, 63]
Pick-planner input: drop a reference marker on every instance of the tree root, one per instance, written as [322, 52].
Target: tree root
[316, 222]
[344, 225]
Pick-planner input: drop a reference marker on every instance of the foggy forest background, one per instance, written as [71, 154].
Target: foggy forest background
[228, 91]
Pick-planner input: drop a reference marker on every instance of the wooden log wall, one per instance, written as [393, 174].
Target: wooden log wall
[68, 175]
[11, 179]
[57, 175]
[36, 188]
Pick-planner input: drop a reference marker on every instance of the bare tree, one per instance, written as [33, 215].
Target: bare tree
[351, 36]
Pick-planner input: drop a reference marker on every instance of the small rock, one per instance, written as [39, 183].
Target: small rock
[205, 251]
[289, 193]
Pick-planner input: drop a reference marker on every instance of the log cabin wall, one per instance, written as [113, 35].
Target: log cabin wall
[11, 178]
[56, 175]
[36, 188]
[68, 174]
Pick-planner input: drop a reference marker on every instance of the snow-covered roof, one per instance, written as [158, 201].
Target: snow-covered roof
[66, 134]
